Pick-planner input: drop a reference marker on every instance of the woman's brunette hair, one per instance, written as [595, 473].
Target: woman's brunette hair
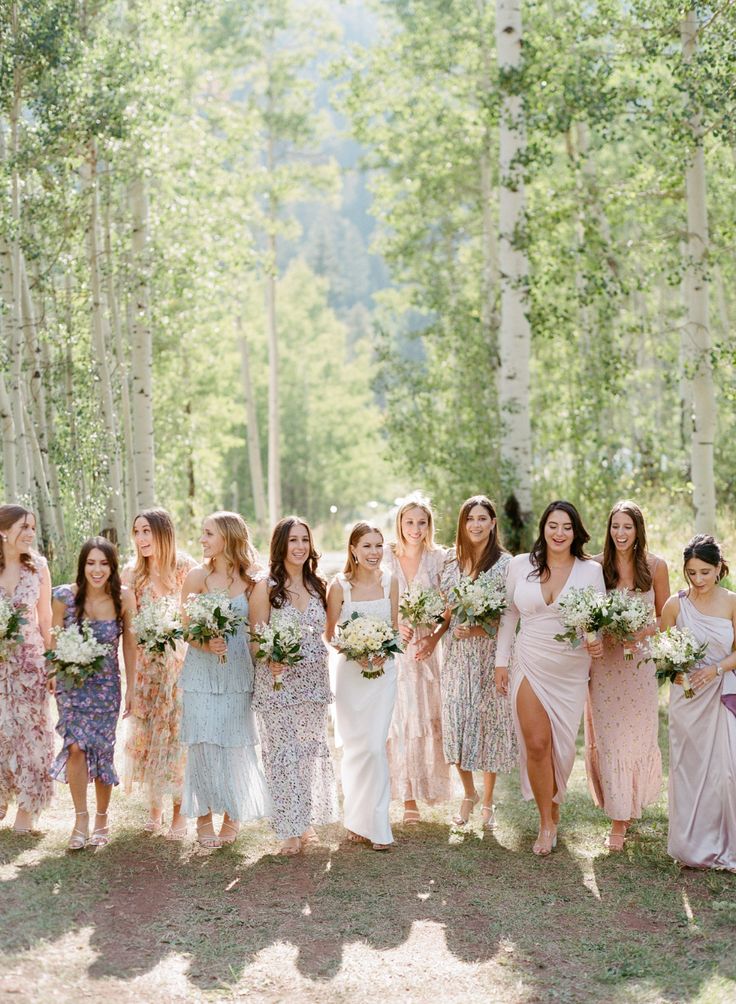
[164, 539]
[278, 594]
[239, 555]
[359, 530]
[414, 502]
[642, 571]
[9, 515]
[705, 548]
[112, 586]
[580, 537]
[463, 545]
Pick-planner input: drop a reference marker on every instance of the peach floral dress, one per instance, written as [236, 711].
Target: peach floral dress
[26, 736]
[154, 756]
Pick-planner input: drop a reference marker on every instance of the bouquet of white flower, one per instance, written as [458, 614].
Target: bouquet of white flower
[627, 614]
[420, 606]
[77, 654]
[365, 639]
[584, 614]
[674, 651]
[279, 641]
[11, 626]
[479, 603]
[157, 624]
[210, 615]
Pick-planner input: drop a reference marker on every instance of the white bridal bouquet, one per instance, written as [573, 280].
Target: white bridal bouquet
[210, 615]
[157, 624]
[674, 651]
[479, 603]
[77, 655]
[584, 614]
[279, 641]
[628, 613]
[11, 625]
[421, 606]
[364, 639]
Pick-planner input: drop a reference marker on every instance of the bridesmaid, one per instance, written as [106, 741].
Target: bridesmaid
[702, 793]
[88, 714]
[416, 761]
[293, 720]
[154, 757]
[363, 708]
[549, 680]
[477, 726]
[622, 756]
[223, 774]
[26, 738]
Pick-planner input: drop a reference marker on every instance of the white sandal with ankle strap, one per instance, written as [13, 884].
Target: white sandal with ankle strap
[101, 834]
[78, 838]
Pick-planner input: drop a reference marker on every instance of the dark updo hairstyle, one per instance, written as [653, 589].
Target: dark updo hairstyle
[705, 548]
[315, 584]
[112, 586]
[580, 537]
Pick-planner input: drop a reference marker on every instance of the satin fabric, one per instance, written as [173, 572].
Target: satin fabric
[557, 672]
[702, 782]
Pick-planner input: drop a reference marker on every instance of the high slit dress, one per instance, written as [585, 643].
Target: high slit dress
[556, 672]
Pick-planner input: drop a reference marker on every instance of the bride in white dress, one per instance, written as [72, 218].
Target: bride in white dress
[363, 707]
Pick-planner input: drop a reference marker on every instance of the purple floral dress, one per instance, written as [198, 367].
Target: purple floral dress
[88, 715]
[26, 738]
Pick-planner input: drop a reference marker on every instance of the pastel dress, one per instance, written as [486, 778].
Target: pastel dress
[292, 723]
[88, 714]
[154, 757]
[363, 712]
[477, 724]
[702, 780]
[415, 754]
[26, 736]
[556, 672]
[622, 757]
[223, 772]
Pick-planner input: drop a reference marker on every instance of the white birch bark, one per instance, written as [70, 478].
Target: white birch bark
[141, 350]
[7, 426]
[274, 435]
[698, 328]
[515, 331]
[251, 417]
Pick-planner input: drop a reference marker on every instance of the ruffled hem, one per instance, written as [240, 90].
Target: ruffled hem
[418, 768]
[100, 765]
[627, 786]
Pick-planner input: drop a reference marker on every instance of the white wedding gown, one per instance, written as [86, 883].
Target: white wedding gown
[363, 711]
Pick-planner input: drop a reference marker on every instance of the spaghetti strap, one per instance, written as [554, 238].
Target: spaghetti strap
[386, 584]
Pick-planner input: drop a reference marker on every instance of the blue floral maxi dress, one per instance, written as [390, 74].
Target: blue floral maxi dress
[88, 714]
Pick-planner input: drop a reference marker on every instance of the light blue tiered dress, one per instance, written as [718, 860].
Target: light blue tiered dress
[223, 772]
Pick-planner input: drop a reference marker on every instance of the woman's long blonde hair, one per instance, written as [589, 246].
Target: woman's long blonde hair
[164, 538]
[239, 555]
[414, 502]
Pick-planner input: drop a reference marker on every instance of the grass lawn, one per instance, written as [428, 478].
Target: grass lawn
[445, 916]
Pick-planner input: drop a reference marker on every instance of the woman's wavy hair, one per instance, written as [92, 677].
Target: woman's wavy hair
[463, 546]
[580, 537]
[9, 515]
[164, 539]
[239, 555]
[359, 530]
[414, 502]
[705, 548]
[642, 571]
[113, 585]
[316, 585]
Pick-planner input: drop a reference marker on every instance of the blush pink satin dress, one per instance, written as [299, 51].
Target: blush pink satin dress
[556, 672]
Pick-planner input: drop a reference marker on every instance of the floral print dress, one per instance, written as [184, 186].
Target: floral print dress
[26, 737]
[88, 714]
[154, 755]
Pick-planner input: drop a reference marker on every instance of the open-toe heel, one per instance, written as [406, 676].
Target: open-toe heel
[101, 834]
[488, 817]
[79, 837]
[462, 817]
[545, 843]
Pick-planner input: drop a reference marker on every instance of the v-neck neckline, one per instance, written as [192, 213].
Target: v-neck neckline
[419, 568]
[564, 586]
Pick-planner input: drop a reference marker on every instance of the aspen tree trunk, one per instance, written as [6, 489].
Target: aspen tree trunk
[254, 444]
[704, 407]
[115, 502]
[80, 481]
[515, 331]
[686, 366]
[274, 450]
[489, 277]
[8, 431]
[141, 350]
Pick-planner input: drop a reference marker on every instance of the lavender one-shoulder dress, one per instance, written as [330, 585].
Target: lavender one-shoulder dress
[702, 783]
